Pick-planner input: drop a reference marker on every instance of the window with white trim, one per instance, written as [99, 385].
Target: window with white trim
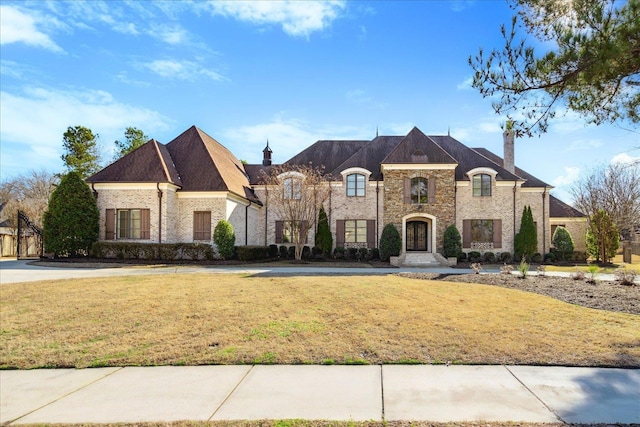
[356, 185]
[482, 185]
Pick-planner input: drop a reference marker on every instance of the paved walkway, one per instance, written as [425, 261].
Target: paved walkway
[359, 393]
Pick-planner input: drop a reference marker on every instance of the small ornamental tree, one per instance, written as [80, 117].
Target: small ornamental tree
[563, 242]
[71, 222]
[526, 241]
[324, 239]
[224, 238]
[452, 245]
[390, 242]
[603, 238]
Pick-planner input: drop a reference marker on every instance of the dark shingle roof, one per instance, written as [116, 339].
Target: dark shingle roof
[531, 181]
[369, 156]
[417, 147]
[469, 159]
[559, 209]
[150, 162]
[327, 153]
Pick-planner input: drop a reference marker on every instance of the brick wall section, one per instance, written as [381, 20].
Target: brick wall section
[443, 209]
[129, 199]
[342, 207]
[577, 227]
[188, 205]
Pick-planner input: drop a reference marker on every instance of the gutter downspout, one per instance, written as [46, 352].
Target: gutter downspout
[246, 224]
[159, 213]
[377, 212]
[544, 223]
[515, 185]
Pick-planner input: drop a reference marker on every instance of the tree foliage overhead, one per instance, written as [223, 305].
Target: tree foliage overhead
[593, 68]
[134, 138]
[71, 223]
[81, 151]
[295, 194]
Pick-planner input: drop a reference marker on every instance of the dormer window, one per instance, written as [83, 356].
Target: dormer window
[356, 185]
[482, 185]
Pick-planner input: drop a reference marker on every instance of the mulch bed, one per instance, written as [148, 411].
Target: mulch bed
[603, 295]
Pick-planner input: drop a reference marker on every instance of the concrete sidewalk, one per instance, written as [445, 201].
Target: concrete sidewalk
[361, 393]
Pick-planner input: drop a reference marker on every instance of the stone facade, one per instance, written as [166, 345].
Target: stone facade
[441, 212]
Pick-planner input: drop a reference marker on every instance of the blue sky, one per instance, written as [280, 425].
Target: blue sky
[245, 72]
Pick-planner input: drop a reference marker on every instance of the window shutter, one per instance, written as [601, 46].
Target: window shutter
[466, 233]
[207, 225]
[279, 227]
[145, 224]
[407, 190]
[497, 233]
[110, 224]
[431, 190]
[340, 233]
[197, 225]
[371, 233]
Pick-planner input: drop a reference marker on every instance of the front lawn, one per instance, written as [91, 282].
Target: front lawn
[616, 262]
[231, 319]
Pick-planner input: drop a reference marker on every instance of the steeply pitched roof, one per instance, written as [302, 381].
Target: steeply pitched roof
[469, 159]
[531, 181]
[559, 209]
[327, 153]
[206, 165]
[369, 156]
[150, 162]
[417, 147]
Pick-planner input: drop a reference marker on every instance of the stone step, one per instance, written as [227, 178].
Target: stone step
[419, 259]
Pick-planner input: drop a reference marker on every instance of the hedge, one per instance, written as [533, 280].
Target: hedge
[153, 251]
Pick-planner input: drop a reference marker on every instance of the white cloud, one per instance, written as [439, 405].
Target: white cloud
[465, 84]
[297, 18]
[584, 144]
[182, 70]
[625, 159]
[38, 117]
[17, 26]
[572, 173]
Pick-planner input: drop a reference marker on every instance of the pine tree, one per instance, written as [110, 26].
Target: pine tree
[324, 239]
[81, 151]
[71, 222]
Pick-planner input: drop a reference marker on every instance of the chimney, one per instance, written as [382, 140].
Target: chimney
[266, 155]
[509, 156]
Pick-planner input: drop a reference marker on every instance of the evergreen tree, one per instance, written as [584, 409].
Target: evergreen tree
[452, 245]
[81, 151]
[390, 242]
[71, 222]
[562, 242]
[224, 238]
[603, 238]
[324, 239]
[134, 138]
[526, 241]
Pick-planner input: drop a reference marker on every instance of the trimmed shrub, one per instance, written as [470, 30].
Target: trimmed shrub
[390, 242]
[338, 252]
[71, 221]
[526, 241]
[452, 244]
[252, 253]
[306, 252]
[562, 242]
[579, 256]
[363, 254]
[537, 258]
[549, 257]
[150, 251]
[462, 257]
[291, 252]
[353, 253]
[273, 251]
[375, 253]
[283, 252]
[224, 238]
[505, 257]
[474, 256]
[489, 257]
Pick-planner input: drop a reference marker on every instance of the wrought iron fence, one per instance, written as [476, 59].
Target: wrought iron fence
[30, 243]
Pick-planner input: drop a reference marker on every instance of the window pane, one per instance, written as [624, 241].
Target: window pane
[135, 224]
[349, 231]
[486, 185]
[419, 190]
[482, 230]
[355, 185]
[361, 231]
[123, 224]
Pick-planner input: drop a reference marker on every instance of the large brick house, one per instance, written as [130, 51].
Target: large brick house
[422, 184]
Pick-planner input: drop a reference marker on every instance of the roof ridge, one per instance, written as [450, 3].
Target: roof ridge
[162, 162]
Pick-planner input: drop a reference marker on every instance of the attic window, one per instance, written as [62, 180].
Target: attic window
[419, 156]
[355, 185]
[482, 184]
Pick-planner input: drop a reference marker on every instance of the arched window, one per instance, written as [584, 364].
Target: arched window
[355, 185]
[482, 184]
[419, 190]
[292, 188]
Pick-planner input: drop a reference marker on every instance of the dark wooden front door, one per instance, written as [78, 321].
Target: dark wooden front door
[417, 236]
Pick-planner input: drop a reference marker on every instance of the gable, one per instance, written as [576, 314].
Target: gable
[417, 147]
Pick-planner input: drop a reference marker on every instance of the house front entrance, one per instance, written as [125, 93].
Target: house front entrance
[417, 236]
